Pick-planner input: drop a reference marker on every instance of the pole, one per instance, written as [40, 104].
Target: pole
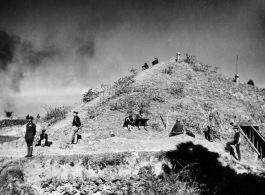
[236, 63]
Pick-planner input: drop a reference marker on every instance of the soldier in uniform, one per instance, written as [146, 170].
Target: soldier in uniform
[155, 61]
[29, 136]
[75, 127]
[145, 66]
[177, 129]
[237, 141]
[128, 122]
[210, 129]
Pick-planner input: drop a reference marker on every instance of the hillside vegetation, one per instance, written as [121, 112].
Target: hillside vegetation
[189, 90]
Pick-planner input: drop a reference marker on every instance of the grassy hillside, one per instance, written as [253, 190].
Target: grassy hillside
[188, 89]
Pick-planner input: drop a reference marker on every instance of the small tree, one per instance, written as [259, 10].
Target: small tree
[250, 82]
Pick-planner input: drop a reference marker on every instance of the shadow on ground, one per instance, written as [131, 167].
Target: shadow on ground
[4, 139]
[212, 177]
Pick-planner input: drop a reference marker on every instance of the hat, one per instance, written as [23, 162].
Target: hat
[210, 115]
[31, 117]
[178, 120]
[75, 112]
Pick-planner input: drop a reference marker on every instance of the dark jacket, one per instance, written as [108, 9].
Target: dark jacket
[236, 138]
[30, 131]
[76, 121]
[177, 129]
[128, 121]
[43, 136]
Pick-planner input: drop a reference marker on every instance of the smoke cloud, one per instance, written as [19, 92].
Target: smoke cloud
[53, 47]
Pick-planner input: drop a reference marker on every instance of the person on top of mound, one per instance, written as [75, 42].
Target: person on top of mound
[29, 136]
[128, 122]
[155, 61]
[145, 66]
[177, 129]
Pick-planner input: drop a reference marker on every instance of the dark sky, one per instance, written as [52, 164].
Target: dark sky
[51, 47]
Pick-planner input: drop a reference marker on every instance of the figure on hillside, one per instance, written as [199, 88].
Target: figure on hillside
[29, 136]
[177, 129]
[155, 61]
[76, 124]
[140, 120]
[210, 129]
[236, 142]
[43, 141]
[145, 66]
[128, 122]
[38, 116]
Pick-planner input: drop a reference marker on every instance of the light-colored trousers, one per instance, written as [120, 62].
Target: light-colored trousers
[73, 135]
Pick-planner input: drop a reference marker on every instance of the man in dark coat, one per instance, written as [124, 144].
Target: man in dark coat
[155, 61]
[43, 141]
[237, 141]
[75, 127]
[177, 129]
[29, 136]
[145, 66]
[210, 129]
[128, 122]
[140, 120]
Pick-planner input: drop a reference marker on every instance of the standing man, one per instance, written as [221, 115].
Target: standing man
[75, 127]
[29, 136]
[210, 129]
[237, 141]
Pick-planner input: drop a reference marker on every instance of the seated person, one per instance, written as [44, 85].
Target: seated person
[140, 120]
[43, 141]
[145, 66]
[177, 129]
[128, 122]
[155, 61]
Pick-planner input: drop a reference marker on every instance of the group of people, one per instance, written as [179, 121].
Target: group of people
[139, 121]
[129, 123]
[43, 138]
[178, 129]
[209, 135]
[145, 66]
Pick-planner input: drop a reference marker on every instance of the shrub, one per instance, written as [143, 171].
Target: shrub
[90, 95]
[55, 114]
[176, 89]
[168, 70]
[131, 104]
[190, 59]
[197, 65]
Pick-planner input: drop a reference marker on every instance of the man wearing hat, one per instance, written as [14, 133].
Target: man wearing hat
[145, 66]
[155, 61]
[237, 141]
[75, 127]
[210, 129]
[29, 136]
[177, 129]
[43, 139]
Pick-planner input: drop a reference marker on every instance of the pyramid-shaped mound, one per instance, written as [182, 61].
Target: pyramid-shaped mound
[186, 89]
